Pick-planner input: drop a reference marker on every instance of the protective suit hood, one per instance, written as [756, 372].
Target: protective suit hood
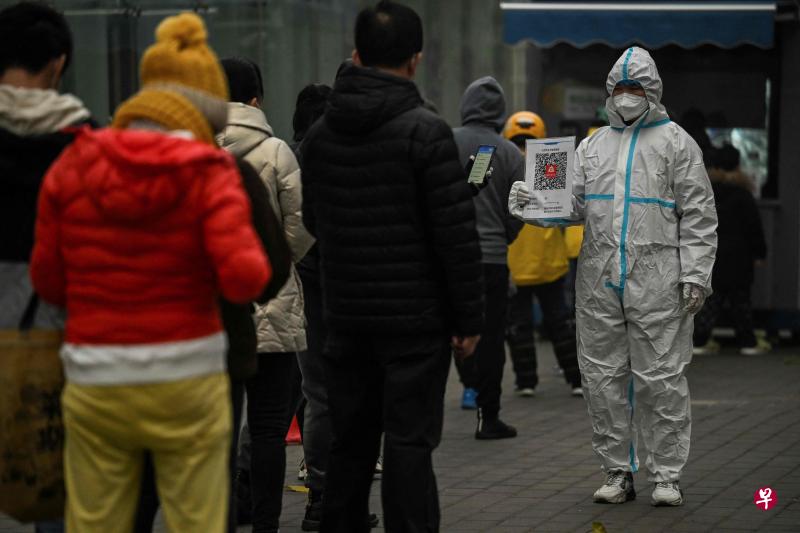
[484, 103]
[636, 64]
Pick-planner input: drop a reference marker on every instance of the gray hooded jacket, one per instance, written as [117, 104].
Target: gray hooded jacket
[483, 115]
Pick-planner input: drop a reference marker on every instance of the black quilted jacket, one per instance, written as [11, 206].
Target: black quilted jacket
[23, 163]
[387, 199]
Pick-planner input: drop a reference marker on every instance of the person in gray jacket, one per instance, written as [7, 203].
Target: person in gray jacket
[483, 115]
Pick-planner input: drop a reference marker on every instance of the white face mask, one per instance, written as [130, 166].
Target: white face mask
[630, 106]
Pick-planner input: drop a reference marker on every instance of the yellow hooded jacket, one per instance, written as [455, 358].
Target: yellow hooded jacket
[538, 255]
[573, 236]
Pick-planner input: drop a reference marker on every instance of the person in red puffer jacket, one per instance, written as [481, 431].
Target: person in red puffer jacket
[140, 228]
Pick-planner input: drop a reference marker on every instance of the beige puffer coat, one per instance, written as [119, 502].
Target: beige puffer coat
[281, 323]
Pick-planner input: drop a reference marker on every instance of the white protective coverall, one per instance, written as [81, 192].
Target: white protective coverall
[650, 226]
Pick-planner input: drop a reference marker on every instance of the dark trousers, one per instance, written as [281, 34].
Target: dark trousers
[316, 426]
[269, 408]
[395, 386]
[484, 370]
[148, 496]
[467, 372]
[558, 325]
[569, 285]
[735, 304]
[297, 406]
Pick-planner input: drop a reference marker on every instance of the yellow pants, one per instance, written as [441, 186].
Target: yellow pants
[186, 425]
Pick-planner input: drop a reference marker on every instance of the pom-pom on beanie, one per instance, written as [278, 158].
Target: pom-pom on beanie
[183, 84]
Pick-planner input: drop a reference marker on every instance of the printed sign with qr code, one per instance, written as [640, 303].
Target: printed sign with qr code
[551, 171]
[548, 173]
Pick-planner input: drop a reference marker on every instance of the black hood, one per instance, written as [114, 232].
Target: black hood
[365, 98]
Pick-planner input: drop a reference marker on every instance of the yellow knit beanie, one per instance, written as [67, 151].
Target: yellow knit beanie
[183, 84]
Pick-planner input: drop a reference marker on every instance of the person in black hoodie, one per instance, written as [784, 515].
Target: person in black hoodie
[741, 245]
[388, 201]
[35, 121]
[316, 427]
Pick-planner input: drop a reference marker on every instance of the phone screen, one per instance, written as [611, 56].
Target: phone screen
[481, 166]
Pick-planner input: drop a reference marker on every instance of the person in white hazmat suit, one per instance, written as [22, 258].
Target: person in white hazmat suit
[642, 192]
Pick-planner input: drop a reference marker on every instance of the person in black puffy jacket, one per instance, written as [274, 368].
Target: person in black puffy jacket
[741, 245]
[388, 202]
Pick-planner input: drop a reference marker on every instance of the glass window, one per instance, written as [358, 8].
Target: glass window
[295, 42]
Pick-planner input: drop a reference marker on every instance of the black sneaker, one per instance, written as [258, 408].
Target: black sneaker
[493, 428]
[313, 517]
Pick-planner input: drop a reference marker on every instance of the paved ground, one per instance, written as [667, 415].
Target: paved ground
[746, 435]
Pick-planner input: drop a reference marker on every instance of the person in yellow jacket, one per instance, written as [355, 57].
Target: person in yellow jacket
[573, 237]
[539, 264]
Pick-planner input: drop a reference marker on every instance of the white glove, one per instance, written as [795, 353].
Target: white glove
[693, 297]
[519, 196]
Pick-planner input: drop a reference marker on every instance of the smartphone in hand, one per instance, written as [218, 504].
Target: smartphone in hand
[481, 164]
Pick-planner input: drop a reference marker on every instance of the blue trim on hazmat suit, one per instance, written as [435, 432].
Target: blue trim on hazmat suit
[642, 192]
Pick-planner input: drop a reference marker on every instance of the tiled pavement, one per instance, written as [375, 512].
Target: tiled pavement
[746, 435]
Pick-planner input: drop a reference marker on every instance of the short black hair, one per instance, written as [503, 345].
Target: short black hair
[388, 34]
[32, 34]
[244, 79]
[310, 106]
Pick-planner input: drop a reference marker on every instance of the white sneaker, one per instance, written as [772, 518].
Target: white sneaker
[302, 472]
[577, 392]
[618, 488]
[762, 347]
[526, 392]
[667, 494]
[710, 348]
